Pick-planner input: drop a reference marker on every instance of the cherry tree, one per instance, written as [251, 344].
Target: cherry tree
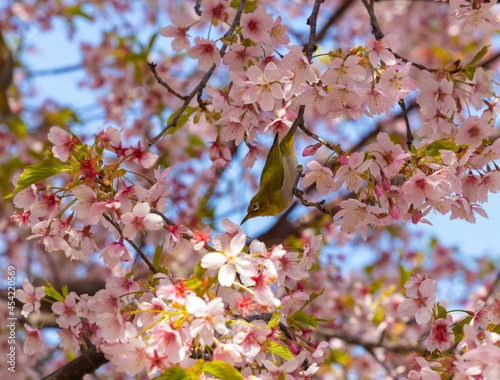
[122, 233]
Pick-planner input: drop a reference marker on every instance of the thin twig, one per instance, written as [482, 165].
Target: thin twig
[137, 249]
[152, 67]
[205, 78]
[333, 19]
[300, 194]
[311, 46]
[409, 135]
[59, 70]
[491, 291]
[184, 236]
[352, 339]
[377, 32]
[197, 7]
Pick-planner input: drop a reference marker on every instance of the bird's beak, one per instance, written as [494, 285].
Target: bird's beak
[245, 218]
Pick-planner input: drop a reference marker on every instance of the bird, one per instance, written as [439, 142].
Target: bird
[6, 69]
[277, 180]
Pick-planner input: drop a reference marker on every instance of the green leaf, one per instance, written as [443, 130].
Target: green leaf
[131, 273]
[51, 292]
[280, 350]
[199, 271]
[181, 121]
[433, 148]
[152, 41]
[64, 290]
[310, 320]
[480, 54]
[404, 275]
[222, 370]
[494, 328]
[38, 172]
[157, 255]
[275, 319]
[442, 312]
[250, 6]
[458, 329]
[174, 373]
[17, 126]
[470, 71]
[77, 11]
[312, 297]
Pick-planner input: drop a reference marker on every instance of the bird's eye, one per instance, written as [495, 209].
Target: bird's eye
[255, 206]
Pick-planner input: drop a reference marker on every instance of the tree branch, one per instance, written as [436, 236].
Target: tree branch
[152, 67]
[59, 70]
[333, 19]
[300, 194]
[377, 32]
[131, 242]
[86, 363]
[352, 339]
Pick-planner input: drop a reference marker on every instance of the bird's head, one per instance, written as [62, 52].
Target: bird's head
[259, 206]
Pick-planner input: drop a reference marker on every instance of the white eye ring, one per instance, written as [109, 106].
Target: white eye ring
[255, 206]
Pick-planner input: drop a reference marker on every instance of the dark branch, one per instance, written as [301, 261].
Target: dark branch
[311, 46]
[300, 194]
[352, 339]
[334, 18]
[377, 32]
[131, 242]
[409, 135]
[152, 67]
[60, 70]
[86, 363]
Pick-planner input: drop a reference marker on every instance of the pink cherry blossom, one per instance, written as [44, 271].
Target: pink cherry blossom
[352, 172]
[296, 61]
[140, 219]
[179, 32]
[33, 342]
[116, 252]
[63, 143]
[321, 175]
[396, 83]
[257, 25]
[209, 318]
[66, 311]
[344, 72]
[230, 261]
[420, 187]
[264, 86]
[473, 131]
[379, 49]
[206, 52]
[421, 306]
[30, 296]
[278, 33]
[441, 336]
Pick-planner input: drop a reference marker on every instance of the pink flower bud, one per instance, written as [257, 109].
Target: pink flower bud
[311, 149]
[378, 190]
[386, 184]
[415, 218]
[395, 212]
[343, 160]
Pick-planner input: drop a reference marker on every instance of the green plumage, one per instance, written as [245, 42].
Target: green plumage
[275, 192]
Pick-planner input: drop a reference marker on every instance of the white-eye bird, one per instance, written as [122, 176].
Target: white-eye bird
[275, 192]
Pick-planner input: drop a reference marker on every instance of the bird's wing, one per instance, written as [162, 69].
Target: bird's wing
[273, 172]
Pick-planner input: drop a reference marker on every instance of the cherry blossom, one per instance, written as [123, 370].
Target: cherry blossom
[140, 219]
[30, 296]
